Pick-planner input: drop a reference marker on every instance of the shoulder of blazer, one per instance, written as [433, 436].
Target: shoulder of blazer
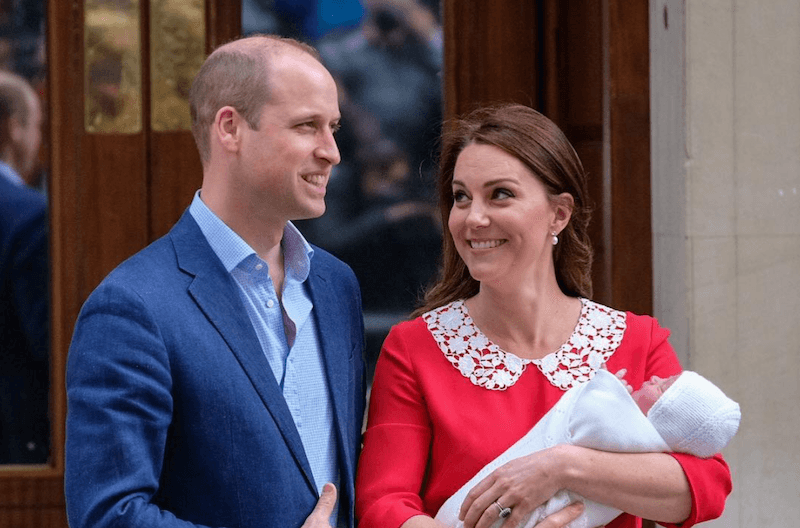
[20, 206]
[327, 266]
[158, 263]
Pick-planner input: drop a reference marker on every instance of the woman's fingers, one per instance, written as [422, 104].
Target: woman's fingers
[562, 518]
[514, 516]
[475, 493]
[484, 509]
[490, 515]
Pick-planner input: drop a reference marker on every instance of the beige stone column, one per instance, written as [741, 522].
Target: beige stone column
[725, 107]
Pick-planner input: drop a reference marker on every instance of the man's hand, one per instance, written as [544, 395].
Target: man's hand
[321, 515]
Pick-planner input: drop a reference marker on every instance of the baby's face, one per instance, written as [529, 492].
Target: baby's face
[651, 391]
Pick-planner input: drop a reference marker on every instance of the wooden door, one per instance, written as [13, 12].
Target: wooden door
[117, 183]
[584, 64]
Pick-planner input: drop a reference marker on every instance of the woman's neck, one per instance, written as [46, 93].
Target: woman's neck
[528, 322]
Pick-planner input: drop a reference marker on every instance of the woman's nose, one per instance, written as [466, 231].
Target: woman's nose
[477, 216]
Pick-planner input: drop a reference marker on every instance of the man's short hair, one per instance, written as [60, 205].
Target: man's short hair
[236, 76]
[16, 98]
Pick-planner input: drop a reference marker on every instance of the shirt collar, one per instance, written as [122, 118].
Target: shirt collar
[8, 172]
[232, 249]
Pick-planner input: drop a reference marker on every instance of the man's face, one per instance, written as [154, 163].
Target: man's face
[285, 165]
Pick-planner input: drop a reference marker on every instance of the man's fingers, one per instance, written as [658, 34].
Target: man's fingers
[326, 502]
[321, 513]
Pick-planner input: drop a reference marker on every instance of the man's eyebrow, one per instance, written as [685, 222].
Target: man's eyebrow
[313, 116]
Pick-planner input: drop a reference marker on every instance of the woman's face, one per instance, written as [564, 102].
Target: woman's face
[501, 217]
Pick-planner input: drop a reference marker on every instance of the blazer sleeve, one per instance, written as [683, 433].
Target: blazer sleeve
[118, 397]
[30, 283]
[396, 442]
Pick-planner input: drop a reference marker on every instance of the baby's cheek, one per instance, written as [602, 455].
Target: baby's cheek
[645, 397]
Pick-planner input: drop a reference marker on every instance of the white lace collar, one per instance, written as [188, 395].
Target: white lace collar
[597, 335]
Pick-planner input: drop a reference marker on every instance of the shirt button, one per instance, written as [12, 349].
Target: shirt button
[259, 266]
[270, 303]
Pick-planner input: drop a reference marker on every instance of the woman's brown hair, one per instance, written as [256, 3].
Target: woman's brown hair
[542, 147]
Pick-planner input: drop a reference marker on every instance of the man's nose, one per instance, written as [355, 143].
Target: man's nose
[328, 150]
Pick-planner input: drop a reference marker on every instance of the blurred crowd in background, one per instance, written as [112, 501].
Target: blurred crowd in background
[386, 56]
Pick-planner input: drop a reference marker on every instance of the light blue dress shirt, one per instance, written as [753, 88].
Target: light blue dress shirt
[287, 332]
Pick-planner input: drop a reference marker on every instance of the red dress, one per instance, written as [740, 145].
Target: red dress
[445, 402]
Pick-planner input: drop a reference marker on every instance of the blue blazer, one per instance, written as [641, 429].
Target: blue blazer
[173, 411]
[24, 324]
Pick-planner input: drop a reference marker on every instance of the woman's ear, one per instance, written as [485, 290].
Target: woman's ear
[227, 128]
[563, 204]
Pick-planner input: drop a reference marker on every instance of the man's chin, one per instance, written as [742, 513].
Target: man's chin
[312, 213]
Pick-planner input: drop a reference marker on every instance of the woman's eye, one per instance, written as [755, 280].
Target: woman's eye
[501, 194]
[459, 196]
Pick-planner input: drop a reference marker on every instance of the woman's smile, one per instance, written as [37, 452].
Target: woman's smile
[486, 244]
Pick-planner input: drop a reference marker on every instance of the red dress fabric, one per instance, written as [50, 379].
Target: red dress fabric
[430, 429]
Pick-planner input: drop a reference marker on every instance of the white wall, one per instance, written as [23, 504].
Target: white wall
[725, 95]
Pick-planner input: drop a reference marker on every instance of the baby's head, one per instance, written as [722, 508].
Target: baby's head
[651, 390]
[692, 414]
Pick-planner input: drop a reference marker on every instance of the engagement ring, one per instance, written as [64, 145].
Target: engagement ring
[504, 512]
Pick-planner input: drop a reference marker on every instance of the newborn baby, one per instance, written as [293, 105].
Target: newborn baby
[684, 413]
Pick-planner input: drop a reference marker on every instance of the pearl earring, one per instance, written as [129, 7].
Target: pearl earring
[555, 238]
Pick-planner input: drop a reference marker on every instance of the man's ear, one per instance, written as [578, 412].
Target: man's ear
[227, 128]
[563, 204]
[16, 130]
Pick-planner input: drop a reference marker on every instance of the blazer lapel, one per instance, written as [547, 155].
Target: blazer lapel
[332, 330]
[217, 295]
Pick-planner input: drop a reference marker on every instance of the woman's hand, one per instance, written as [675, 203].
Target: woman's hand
[563, 517]
[520, 485]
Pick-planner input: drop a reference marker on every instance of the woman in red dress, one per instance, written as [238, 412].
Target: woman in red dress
[507, 329]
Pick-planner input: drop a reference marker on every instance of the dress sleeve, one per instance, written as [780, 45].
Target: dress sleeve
[396, 442]
[710, 483]
[661, 358]
[709, 478]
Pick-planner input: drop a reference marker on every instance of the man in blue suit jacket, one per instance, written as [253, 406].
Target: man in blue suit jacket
[24, 280]
[216, 378]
